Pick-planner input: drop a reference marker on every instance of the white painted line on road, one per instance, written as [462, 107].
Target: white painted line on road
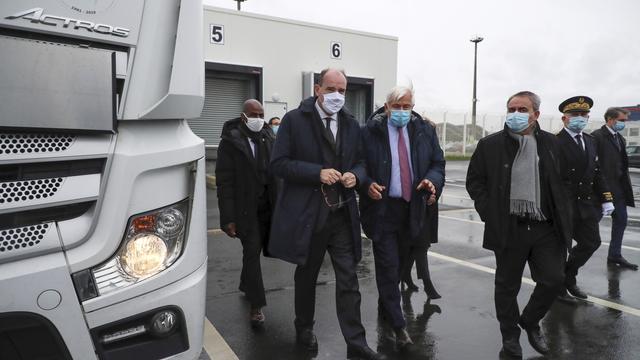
[609, 304]
[626, 247]
[214, 344]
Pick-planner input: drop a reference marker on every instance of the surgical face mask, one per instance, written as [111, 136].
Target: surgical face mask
[618, 126]
[400, 118]
[275, 128]
[517, 121]
[254, 124]
[333, 102]
[577, 123]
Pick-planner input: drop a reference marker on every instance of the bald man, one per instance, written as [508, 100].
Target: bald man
[317, 155]
[246, 195]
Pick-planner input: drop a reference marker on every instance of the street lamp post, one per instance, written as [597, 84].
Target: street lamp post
[475, 42]
[239, 2]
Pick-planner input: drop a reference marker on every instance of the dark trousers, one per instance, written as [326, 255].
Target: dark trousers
[390, 250]
[538, 245]
[252, 244]
[618, 225]
[586, 233]
[336, 238]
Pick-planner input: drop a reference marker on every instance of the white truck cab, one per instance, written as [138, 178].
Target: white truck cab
[102, 195]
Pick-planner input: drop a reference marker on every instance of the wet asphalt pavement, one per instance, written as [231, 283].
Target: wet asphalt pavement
[461, 325]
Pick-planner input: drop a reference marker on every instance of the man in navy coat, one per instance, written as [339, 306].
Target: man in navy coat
[317, 155]
[405, 173]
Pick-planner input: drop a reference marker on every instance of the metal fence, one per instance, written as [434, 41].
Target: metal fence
[458, 136]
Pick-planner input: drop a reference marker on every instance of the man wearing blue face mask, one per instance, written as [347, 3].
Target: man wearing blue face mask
[615, 167]
[405, 174]
[589, 196]
[519, 192]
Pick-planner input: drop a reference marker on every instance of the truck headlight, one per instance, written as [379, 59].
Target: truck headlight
[152, 243]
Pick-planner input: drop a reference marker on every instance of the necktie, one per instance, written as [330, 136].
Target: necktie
[328, 126]
[255, 147]
[579, 141]
[616, 137]
[405, 170]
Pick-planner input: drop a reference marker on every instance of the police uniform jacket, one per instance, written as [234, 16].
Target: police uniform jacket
[588, 187]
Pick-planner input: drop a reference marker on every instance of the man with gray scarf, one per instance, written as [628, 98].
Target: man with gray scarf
[515, 180]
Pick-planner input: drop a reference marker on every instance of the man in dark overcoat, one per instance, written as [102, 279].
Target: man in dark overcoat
[590, 199]
[405, 167]
[246, 195]
[515, 180]
[614, 164]
[317, 155]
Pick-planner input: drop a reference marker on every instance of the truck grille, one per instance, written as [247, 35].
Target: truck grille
[45, 179]
[20, 238]
[19, 143]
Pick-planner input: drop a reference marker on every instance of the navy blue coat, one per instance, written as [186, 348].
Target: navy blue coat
[427, 161]
[297, 159]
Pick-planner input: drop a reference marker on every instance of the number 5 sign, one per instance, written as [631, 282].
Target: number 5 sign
[336, 50]
[216, 34]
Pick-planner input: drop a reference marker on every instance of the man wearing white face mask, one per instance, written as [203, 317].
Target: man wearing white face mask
[615, 167]
[317, 155]
[519, 192]
[589, 196]
[246, 195]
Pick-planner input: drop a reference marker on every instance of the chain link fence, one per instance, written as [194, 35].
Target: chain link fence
[459, 136]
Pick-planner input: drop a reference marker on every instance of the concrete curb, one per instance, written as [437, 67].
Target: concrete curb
[211, 182]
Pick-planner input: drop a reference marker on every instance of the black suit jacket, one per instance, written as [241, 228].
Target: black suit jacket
[299, 153]
[614, 165]
[588, 188]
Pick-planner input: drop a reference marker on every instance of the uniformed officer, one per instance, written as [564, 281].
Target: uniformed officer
[590, 197]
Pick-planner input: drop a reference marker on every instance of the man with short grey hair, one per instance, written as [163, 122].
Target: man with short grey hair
[515, 182]
[614, 165]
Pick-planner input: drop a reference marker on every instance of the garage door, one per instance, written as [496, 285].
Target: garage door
[223, 101]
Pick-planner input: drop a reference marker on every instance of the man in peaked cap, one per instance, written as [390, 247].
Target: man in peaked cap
[590, 198]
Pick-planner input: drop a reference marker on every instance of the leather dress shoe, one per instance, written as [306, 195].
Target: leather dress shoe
[307, 338]
[256, 317]
[364, 353]
[511, 349]
[621, 262]
[536, 339]
[567, 299]
[575, 291]
[403, 340]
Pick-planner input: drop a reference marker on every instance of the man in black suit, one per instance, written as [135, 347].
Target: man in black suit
[614, 165]
[519, 192]
[590, 198]
[317, 154]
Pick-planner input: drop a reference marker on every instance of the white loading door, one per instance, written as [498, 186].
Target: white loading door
[223, 101]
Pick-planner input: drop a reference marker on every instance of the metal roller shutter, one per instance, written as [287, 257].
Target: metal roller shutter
[223, 101]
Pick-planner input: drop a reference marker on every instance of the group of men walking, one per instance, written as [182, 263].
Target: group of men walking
[293, 197]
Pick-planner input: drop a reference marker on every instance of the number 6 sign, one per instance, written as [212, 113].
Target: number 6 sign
[336, 50]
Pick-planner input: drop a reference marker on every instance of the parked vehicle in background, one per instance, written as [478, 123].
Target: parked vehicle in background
[633, 151]
[102, 195]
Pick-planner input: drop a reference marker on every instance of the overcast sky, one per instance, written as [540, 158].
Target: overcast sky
[556, 48]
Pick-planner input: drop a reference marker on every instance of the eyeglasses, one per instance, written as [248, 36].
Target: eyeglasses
[329, 204]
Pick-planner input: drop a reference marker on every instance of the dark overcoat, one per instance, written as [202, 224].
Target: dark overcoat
[427, 161]
[614, 164]
[297, 158]
[588, 188]
[237, 177]
[489, 185]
